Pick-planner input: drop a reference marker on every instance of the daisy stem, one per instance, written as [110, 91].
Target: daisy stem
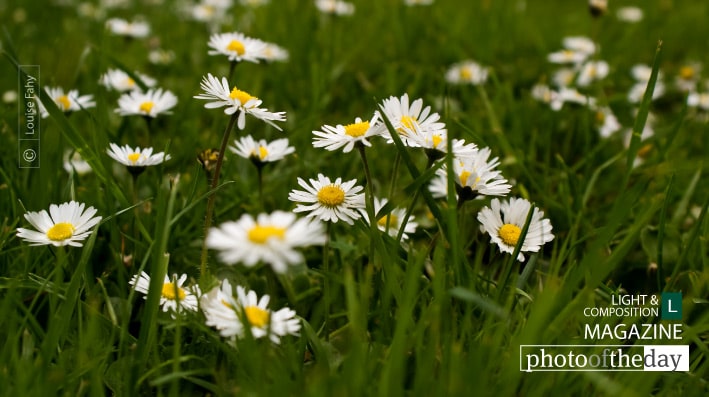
[326, 285]
[409, 210]
[134, 192]
[259, 169]
[212, 196]
[232, 66]
[369, 202]
[394, 174]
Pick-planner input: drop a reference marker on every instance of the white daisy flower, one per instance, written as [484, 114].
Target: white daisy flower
[274, 53]
[271, 238]
[335, 7]
[66, 102]
[477, 175]
[467, 72]
[136, 158]
[606, 122]
[412, 3]
[437, 140]
[564, 77]
[392, 222]
[253, 3]
[119, 80]
[598, 7]
[210, 11]
[629, 14]
[173, 296]
[504, 221]
[65, 224]
[407, 118]
[339, 136]
[136, 29]
[228, 314]
[329, 201]
[161, 56]
[9, 96]
[235, 100]
[567, 56]
[592, 71]
[572, 95]
[262, 151]
[688, 77]
[637, 91]
[580, 43]
[698, 100]
[438, 186]
[74, 163]
[148, 104]
[545, 94]
[236, 46]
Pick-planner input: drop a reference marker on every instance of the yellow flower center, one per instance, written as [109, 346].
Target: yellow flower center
[262, 152]
[466, 73]
[133, 157]
[409, 123]
[509, 234]
[236, 46]
[260, 234]
[146, 107]
[464, 179]
[130, 82]
[437, 140]
[256, 316]
[600, 117]
[391, 219]
[168, 292]
[357, 130]
[686, 72]
[331, 196]
[60, 231]
[64, 102]
[592, 71]
[241, 96]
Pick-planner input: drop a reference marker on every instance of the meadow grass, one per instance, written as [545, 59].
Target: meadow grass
[443, 314]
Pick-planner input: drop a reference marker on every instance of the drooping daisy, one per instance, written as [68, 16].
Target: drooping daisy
[74, 163]
[477, 175]
[407, 118]
[119, 80]
[232, 316]
[152, 103]
[592, 71]
[137, 29]
[136, 159]
[329, 201]
[346, 136]
[504, 221]
[606, 122]
[271, 238]
[335, 7]
[65, 224]
[392, 222]
[629, 14]
[261, 151]
[466, 72]
[236, 46]
[66, 102]
[235, 100]
[173, 296]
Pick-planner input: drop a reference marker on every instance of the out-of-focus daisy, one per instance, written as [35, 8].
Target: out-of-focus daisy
[418, 2]
[545, 94]
[161, 56]
[407, 118]
[66, 102]
[271, 238]
[572, 95]
[592, 71]
[698, 100]
[564, 77]
[629, 14]
[580, 43]
[220, 95]
[173, 296]
[641, 74]
[9, 96]
[136, 29]
[261, 151]
[253, 3]
[119, 80]
[273, 53]
[346, 136]
[136, 159]
[504, 221]
[65, 224]
[567, 56]
[210, 11]
[335, 7]
[236, 46]
[477, 175]
[606, 122]
[688, 77]
[152, 103]
[392, 222]
[74, 163]
[647, 133]
[232, 316]
[598, 7]
[329, 201]
[466, 72]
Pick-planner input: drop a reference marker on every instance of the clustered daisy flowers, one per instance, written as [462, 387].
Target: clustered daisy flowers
[174, 297]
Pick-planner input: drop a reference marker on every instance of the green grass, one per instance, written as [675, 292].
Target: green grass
[444, 314]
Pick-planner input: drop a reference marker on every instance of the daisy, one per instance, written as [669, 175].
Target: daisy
[231, 316]
[148, 104]
[173, 296]
[606, 122]
[271, 238]
[504, 221]
[210, 11]
[335, 7]
[581, 44]
[339, 136]
[329, 201]
[567, 56]
[253, 3]
[136, 159]
[235, 100]
[629, 14]
[545, 94]
[236, 46]
[261, 151]
[439, 186]
[572, 95]
[119, 80]
[466, 72]
[698, 100]
[688, 77]
[477, 175]
[65, 224]
[437, 140]
[66, 102]
[274, 53]
[407, 118]
[564, 77]
[135, 29]
[74, 163]
[592, 71]
[160, 56]
[411, 3]
[598, 7]
[392, 222]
